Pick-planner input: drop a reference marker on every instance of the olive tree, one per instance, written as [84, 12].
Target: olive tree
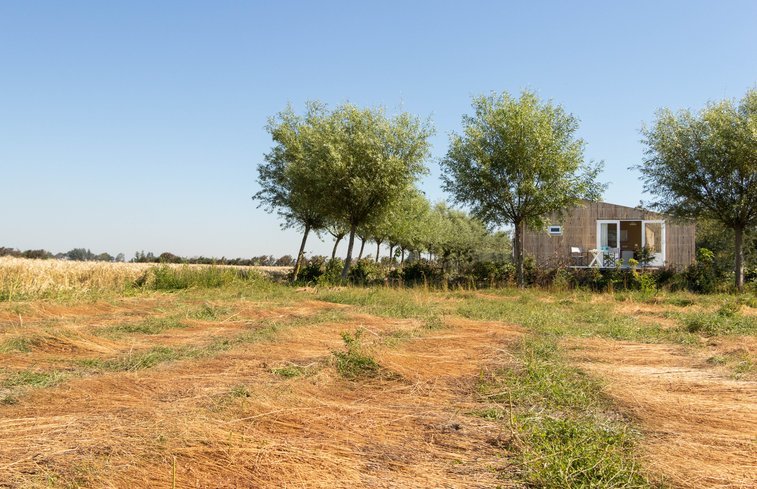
[705, 166]
[518, 160]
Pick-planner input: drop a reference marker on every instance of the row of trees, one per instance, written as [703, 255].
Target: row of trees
[167, 257]
[76, 254]
[351, 172]
[704, 165]
[346, 170]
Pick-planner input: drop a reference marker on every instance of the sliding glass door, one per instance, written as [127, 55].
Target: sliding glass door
[608, 240]
[653, 238]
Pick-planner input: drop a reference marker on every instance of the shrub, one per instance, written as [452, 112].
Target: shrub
[702, 276]
[311, 269]
[367, 271]
[355, 363]
[421, 272]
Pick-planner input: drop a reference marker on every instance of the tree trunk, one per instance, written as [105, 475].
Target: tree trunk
[336, 243]
[348, 259]
[518, 251]
[402, 260]
[378, 250]
[391, 253]
[362, 247]
[739, 249]
[298, 263]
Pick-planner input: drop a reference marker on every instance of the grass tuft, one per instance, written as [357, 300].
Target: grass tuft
[355, 363]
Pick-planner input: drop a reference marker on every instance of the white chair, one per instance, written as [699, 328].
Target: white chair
[576, 255]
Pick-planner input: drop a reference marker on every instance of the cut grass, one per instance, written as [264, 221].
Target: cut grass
[150, 326]
[33, 379]
[23, 344]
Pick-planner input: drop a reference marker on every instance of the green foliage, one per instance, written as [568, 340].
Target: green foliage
[289, 371]
[517, 161]
[566, 435]
[149, 326]
[22, 344]
[723, 322]
[367, 271]
[355, 363]
[702, 276]
[705, 166]
[33, 379]
[165, 277]
[576, 452]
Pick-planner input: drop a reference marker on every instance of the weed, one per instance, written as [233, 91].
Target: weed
[355, 363]
[289, 371]
[240, 391]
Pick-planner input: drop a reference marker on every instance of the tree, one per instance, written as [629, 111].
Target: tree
[369, 161]
[705, 165]
[517, 161]
[289, 178]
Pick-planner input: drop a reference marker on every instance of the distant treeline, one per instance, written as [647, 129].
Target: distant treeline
[77, 254]
[82, 254]
[256, 261]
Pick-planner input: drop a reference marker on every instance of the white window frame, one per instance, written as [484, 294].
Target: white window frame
[663, 252]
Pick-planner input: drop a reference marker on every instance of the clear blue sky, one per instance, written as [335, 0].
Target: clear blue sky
[134, 125]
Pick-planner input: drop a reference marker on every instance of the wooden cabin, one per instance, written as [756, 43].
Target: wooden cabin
[603, 235]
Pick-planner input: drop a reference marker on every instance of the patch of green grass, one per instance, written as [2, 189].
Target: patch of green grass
[289, 371]
[567, 434]
[386, 302]
[164, 277]
[33, 379]
[581, 319]
[495, 414]
[433, 322]
[561, 452]
[355, 363]
[22, 344]
[719, 323]
[150, 326]
[135, 360]
[209, 312]
[680, 301]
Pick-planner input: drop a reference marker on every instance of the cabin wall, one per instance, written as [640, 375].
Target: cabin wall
[579, 228]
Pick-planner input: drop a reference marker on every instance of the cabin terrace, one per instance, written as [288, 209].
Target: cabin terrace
[603, 235]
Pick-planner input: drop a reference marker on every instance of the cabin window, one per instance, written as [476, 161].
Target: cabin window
[555, 230]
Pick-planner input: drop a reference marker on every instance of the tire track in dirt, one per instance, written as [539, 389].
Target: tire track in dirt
[230, 421]
[700, 426]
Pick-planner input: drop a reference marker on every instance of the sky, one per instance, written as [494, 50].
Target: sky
[139, 125]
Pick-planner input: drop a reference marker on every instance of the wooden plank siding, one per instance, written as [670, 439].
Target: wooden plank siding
[579, 229]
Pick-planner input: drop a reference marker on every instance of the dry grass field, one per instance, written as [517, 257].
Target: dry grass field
[136, 376]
